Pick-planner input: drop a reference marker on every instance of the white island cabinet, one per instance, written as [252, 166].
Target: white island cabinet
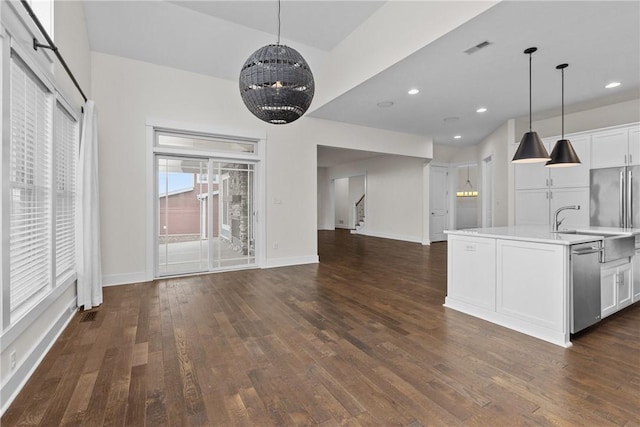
[516, 277]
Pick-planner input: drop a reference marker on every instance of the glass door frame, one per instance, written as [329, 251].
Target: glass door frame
[255, 158]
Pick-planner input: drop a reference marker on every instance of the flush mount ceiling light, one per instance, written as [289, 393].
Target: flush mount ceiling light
[276, 83]
[457, 136]
[563, 154]
[612, 85]
[481, 110]
[531, 148]
[413, 91]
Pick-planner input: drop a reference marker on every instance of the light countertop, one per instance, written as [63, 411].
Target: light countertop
[543, 234]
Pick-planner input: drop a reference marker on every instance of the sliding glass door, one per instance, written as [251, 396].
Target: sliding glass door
[205, 214]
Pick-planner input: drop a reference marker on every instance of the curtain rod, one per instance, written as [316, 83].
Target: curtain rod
[51, 46]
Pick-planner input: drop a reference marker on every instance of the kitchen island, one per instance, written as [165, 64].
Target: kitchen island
[518, 277]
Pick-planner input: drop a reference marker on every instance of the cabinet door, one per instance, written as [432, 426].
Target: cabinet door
[624, 286]
[609, 148]
[574, 176]
[634, 146]
[635, 267]
[532, 207]
[567, 197]
[531, 175]
[471, 270]
[608, 287]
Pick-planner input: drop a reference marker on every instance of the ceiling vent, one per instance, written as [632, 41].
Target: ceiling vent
[477, 47]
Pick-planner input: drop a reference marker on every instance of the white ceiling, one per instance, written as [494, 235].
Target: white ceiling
[599, 39]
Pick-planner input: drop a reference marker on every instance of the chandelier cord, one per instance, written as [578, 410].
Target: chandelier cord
[278, 22]
[562, 70]
[530, 104]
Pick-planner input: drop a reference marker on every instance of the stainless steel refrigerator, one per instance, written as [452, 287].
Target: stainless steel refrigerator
[615, 197]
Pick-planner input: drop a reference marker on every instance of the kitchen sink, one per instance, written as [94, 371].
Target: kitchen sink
[614, 246]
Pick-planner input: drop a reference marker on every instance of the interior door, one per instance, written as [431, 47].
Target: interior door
[438, 202]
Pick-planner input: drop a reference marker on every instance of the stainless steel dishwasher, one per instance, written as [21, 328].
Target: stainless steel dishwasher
[585, 285]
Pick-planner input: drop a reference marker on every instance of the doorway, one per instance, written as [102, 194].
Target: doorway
[438, 202]
[349, 201]
[204, 203]
[487, 197]
[466, 201]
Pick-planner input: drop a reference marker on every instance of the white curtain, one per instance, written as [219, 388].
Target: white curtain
[89, 285]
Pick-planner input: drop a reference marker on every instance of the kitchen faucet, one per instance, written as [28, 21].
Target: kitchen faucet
[556, 223]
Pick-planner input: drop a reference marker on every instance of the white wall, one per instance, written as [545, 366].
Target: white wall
[609, 115]
[130, 93]
[341, 202]
[70, 35]
[395, 195]
[324, 201]
[496, 145]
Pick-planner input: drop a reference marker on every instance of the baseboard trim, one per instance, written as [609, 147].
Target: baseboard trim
[391, 236]
[17, 381]
[289, 261]
[124, 279]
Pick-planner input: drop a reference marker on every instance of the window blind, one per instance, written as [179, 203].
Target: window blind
[30, 234]
[66, 147]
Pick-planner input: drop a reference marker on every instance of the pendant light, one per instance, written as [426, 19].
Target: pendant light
[563, 154]
[531, 148]
[465, 193]
[276, 83]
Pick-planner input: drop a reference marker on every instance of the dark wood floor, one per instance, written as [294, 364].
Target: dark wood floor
[360, 339]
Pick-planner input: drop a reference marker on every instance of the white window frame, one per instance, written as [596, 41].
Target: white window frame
[258, 158]
[13, 326]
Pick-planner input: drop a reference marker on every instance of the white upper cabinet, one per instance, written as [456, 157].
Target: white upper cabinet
[634, 145]
[613, 148]
[532, 207]
[574, 176]
[531, 175]
[536, 175]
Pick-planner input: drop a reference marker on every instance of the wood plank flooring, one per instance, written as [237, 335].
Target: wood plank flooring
[359, 339]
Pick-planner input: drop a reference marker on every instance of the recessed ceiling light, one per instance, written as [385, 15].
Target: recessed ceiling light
[481, 110]
[612, 85]
[385, 104]
[413, 91]
[457, 137]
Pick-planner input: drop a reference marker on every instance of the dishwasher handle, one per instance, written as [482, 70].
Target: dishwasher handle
[585, 251]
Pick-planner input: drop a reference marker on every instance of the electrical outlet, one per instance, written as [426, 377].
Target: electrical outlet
[12, 359]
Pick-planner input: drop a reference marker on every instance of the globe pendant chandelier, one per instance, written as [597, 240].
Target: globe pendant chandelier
[276, 83]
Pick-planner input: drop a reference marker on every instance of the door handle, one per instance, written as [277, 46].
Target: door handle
[629, 199]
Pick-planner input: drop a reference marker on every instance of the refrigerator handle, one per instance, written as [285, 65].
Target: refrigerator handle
[622, 199]
[629, 199]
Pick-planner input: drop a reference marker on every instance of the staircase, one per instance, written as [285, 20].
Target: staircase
[358, 214]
